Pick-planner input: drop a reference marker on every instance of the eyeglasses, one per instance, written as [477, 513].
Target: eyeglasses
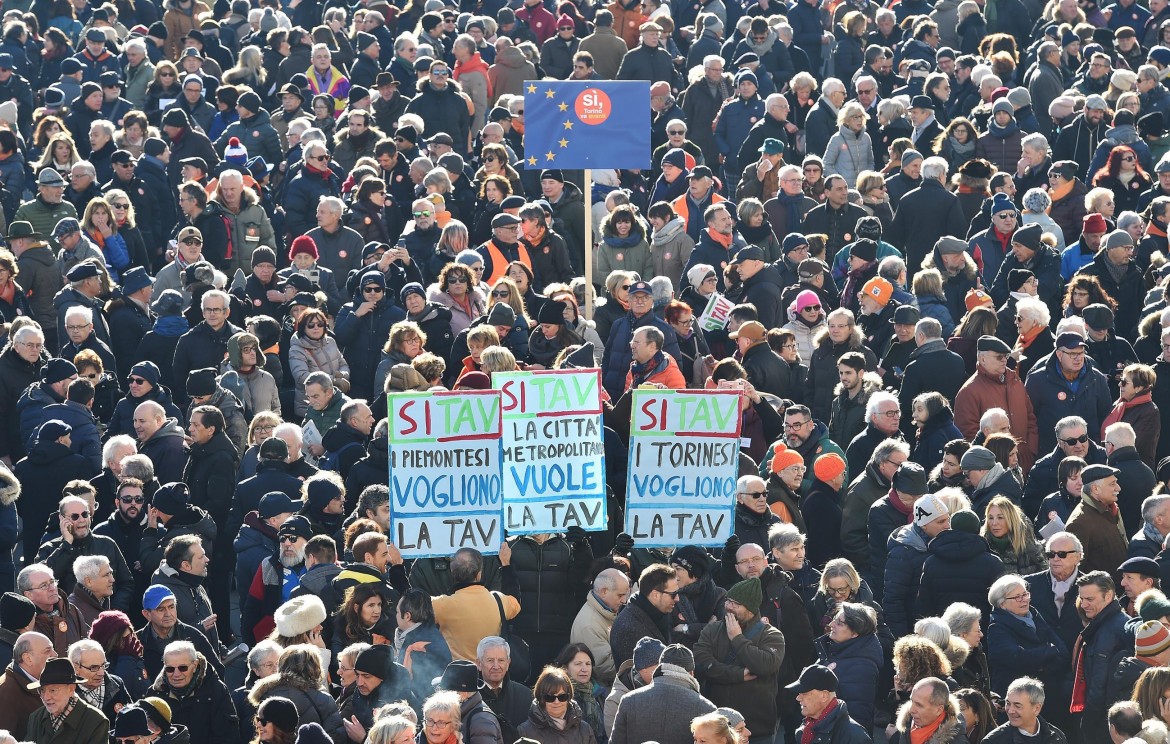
[47, 585]
[432, 723]
[181, 669]
[137, 381]
[132, 499]
[78, 515]
[562, 697]
[77, 327]
[214, 310]
[754, 494]
[1074, 355]
[796, 425]
[1022, 595]
[372, 290]
[1062, 554]
[891, 414]
[1070, 441]
[841, 592]
[95, 667]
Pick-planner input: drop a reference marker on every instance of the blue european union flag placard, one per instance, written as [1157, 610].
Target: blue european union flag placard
[586, 124]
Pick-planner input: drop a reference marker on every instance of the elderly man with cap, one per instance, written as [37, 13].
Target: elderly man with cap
[503, 247]
[907, 554]
[65, 718]
[766, 370]
[276, 578]
[994, 385]
[164, 627]
[988, 478]
[56, 376]
[760, 178]
[257, 537]
[380, 680]
[619, 353]
[477, 721]
[1120, 277]
[739, 657]
[1138, 576]
[1081, 252]
[95, 58]
[877, 305]
[185, 142]
[762, 285]
[825, 715]
[649, 60]
[1161, 188]
[663, 709]
[39, 276]
[1096, 520]
[47, 209]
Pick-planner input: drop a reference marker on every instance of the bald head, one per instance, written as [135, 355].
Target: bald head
[148, 419]
[612, 587]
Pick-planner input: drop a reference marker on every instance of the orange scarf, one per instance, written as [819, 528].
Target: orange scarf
[474, 64]
[720, 238]
[1121, 407]
[1059, 193]
[1026, 340]
[97, 238]
[922, 735]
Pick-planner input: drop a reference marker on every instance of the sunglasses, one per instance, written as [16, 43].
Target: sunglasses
[814, 308]
[502, 293]
[290, 539]
[562, 697]
[181, 669]
[320, 158]
[78, 515]
[457, 280]
[372, 290]
[166, 74]
[677, 132]
[137, 381]
[1075, 440]
[314, 325]
[422, 214]
[565, 28]
[1059, 554]
[132, 499]
[441, 73]
[192, 241]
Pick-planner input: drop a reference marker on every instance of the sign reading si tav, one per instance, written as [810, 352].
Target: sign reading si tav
[586, 124]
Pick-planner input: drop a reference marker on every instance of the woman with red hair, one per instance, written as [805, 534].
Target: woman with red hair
[112, 630]
[1123, 175]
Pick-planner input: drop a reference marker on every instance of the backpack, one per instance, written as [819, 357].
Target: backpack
[332, 460]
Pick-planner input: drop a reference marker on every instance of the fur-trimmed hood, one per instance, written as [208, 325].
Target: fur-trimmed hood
[264, 687]
[870, 384]
[822, 340]
[948, 731]
[9, 487]
[932, 261]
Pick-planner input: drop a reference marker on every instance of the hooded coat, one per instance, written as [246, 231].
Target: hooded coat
[821, 382]
[362, 339]
[960, 567]
[313, 703]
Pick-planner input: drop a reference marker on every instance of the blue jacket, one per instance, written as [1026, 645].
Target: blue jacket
[85, 438]
[960, 567]
[1066, 625]
[255, 542]
[857, 663]
[735, 120]
[362, 340]
[708, 251]
[838, 727]
[807, 32]
[616, 362]
[907, 552]
[1014, 649]
[31, 408]
[928, 448]
[1054, 397]
[1072, 259]
[301, 197]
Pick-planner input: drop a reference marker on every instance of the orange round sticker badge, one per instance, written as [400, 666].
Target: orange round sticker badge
[592, 106]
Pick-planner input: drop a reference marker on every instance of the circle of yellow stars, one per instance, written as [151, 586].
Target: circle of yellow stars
[551, 156]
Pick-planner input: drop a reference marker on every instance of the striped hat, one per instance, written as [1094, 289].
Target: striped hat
[1152, 639]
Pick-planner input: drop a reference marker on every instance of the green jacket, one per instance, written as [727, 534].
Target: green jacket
[44, 217]
[720, 664]
[85, 724]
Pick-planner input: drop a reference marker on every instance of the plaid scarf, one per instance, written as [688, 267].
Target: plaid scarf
[57, 721]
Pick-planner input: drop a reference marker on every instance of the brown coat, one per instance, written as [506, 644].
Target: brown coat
[178, 24]
[63, 629]
[627, 22]
[983, 391]
[1103, 535]
[17, 703]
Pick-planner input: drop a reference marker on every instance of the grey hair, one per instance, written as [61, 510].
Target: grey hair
[77, 648]
[103, 125]
[1076, 541]
[1034, 309]
[137, 45]
[930, 328]
[78, 311]
[385, 730]
[934, 169]
[607, 579]
[1152, 504]
[444, 701]
[940, 694]
[1033, 688]
[24, 578]
[1036, 142]
[886, 449]
[490, 642]
[86, 167]
[875, 402]
[88, 566]
[784, 535]
[352, 651]
[859, 618]
[215, 294]
[181, 647]
[960, 616]
[290, 428]
[261, 651]
[1121, 434]
[320, 378]
[1148, 72]
[1004, 584]
[113, 444]
[333, 203]
[830, 85]
[1070, 422]
[403, 39]
[28, 330]
[991, 414]
[138, 466]
[891, 267]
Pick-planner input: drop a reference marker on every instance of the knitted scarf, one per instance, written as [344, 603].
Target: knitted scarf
[792, 204]
[810, 723]
[922, 734]
[1120, 408]
[905, 509]
[756, 235]
[668, 231]
[643, 372]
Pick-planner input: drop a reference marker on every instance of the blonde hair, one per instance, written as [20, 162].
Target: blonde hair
[1019, 533]
[717, 724]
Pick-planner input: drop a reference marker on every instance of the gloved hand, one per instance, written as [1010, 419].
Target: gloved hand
[576, 534]
[623, 544]
[730, 548]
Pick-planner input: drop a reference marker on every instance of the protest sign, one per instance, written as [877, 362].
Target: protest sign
[554, 457]
[446, 478]
[714, 317]
[684, 463]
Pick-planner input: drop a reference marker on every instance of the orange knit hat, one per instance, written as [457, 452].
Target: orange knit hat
[828, 466]
[782, 458]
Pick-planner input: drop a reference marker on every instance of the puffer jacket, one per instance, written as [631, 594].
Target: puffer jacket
[616, 363]
[857, 663]
[306, 356]
[552, 584]
[960, 567]
[950, 731]
[848, 154]
[204, 707]
[256, 134]
[1002, 146]
[313, 703]
[540, 727]
[907, 553]
[363, 338]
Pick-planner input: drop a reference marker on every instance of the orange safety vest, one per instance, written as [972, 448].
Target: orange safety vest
[500, 264]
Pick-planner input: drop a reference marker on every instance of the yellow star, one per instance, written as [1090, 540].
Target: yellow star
[532, 160]
[563, 106]
[549, 156]
[531, 88]
[548, 93]
[564, 142]
[568, 125]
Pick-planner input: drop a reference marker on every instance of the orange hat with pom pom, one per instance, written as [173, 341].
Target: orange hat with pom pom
[828, 466]
[783, 458]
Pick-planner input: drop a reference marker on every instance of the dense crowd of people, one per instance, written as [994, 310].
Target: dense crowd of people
[937, 232]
